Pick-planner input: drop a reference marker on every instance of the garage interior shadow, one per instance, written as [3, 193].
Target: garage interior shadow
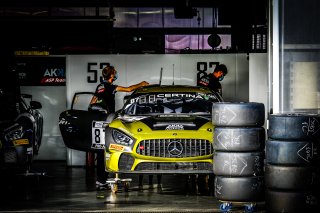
[53, 186]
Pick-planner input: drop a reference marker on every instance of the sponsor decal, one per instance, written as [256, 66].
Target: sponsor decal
[97, 146]
[20, 142]
[46, 80]
[116, 147]
[53, 75]
[175, 127]
[64, 122]
[41, 71]
[154, 98]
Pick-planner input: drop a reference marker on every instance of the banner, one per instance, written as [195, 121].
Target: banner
[41, 71]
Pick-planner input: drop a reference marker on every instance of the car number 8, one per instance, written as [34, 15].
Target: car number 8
[98, 136]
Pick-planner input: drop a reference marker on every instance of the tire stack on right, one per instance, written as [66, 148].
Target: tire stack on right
[292, 163]
[238, 159]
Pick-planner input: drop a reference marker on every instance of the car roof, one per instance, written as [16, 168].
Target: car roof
[172, 88]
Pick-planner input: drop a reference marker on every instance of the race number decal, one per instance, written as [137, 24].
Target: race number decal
[98, 134]
[202, 72]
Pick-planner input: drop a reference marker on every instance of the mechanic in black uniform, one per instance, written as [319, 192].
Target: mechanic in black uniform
[213, 79]
[204, 182]
[105, 98]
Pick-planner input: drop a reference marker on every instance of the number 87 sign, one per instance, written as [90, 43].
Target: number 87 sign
[98, 134]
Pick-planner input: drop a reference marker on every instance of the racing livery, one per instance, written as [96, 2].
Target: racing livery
[160, 129]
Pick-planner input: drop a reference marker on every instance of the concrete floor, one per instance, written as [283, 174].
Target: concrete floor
[72, 189]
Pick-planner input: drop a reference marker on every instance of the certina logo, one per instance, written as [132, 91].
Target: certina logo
[175, 127]
[153, 98]
[175, 148]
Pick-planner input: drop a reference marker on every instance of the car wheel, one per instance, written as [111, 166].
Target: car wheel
[291, 177]
[242, 189]
[238, 164]
[294, 126]
[238, 114]
[291, 152]
[239, 138]
[291, 201]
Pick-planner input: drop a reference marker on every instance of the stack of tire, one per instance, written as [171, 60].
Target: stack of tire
[239, 141]
[292, 163]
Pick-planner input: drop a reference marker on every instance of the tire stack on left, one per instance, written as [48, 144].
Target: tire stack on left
[239, 139]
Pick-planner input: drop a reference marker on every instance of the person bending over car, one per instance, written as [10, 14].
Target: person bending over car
[213, 80]
[104, 98]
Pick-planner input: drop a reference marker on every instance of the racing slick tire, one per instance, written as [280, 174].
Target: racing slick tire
[294, 126]
[291, 177]
[242, 189]
[291, 201]
[238, 114]
[239, 138]
[291, 152]
[238, 163]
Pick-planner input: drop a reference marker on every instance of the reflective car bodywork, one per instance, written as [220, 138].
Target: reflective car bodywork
[165, 129]
[20, 129]
[160, 129]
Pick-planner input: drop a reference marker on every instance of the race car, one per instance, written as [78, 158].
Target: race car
[160, 129]
[21, 128]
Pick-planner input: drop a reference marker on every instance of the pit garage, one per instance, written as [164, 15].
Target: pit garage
[174, 145]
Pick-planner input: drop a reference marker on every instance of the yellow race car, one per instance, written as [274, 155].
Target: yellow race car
[160, 129]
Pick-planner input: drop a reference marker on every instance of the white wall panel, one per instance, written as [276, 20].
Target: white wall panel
[258, 79]
[235, 83]
[53, 100]
[135, 68]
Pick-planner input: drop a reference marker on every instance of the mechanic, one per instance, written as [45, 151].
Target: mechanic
[105, 98]
[214, 79]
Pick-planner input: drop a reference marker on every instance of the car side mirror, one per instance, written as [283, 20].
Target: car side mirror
[110, 117]
[35, 105]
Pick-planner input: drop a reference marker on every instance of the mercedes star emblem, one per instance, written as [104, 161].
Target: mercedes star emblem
[175, 148]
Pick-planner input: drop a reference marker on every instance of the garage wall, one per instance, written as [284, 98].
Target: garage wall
[258, 79]
[43, 77]
[182, 69]
[53, 100]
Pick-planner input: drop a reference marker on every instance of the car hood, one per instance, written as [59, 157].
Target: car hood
[163, 122]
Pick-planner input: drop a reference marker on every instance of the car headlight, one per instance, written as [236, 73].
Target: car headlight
[13, 133]
[121, 138]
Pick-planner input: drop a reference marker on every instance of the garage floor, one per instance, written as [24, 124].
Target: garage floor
[72, 189]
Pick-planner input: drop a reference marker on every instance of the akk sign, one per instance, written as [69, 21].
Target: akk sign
[41, 71]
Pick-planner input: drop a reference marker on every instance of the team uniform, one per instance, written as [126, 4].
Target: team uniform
[211, 82]
[104, 99]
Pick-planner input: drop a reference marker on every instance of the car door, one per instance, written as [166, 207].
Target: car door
[76, 123]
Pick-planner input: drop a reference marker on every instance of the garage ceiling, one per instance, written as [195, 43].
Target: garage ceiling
[31, 24]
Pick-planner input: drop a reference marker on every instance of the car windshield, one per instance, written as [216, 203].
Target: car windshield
[167, 103]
